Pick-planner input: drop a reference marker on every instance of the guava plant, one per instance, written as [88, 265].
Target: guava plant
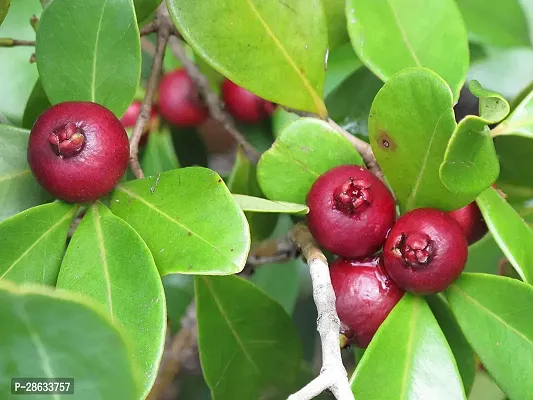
[267, 199]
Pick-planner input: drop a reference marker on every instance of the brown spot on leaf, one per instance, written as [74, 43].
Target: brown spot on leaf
[386, 142]
[189, 233]
[220, 180]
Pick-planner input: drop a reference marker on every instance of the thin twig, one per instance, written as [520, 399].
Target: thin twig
[150, 28]
[9, 42]
[163, 34]
[212, 101]
[148, 46]
[333, 375]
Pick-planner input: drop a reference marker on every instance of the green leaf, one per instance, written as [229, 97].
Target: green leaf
[520, 121]
[342, 63]
[500, 23]
[18, 75]
[510, 231]
[181, 206]
[336, 22]
[33, 243]
[159, 155]
[280, 281]
[145, 8]
[410, 353]
[255, 352]
[411, 40]
[505, 342]
[516, 175]
[484, 256]
[56, 334]
[4, 8]
[18, 188]
[129, 286]
[257, 204]
[280, 119]
[179, 293]
[89, 51]
[470, 163]
[462, 352]
[37, 104]
[485, 389]
[410, 124]
[254, 43]
[305, 150]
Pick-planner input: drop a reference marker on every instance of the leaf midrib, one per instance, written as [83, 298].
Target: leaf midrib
[103, 257]
[93, 84]
[403, 33]
[406, 374]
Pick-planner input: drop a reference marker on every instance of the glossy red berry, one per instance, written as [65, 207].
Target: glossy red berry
[350, 211]
[472, 222]
[130, 116]
[78, 151]
[244, 105]
[179, 101]
[425, 251]
[365, 295]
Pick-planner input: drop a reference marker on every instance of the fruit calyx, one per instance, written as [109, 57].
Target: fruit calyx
[67, 140]
[353, 196]
[416, 249]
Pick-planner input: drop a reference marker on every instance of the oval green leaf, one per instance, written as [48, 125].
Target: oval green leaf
[89, 51]
[257, 204]
[255, 43]
[18, 75]
[181, 206]
[410, 124]
[505, 344]
[159, 155]
[61, 335]
[516, 174]
[470, 163]
[510, 231]
[305, 150]
[33, 243]
[520, 121]
[145, 8]
[37, 104]
[4, 8]
[95, 266]
[18, 188]
[500, 23]
[336, 21]
[462, 352]
[410, 353]
[254, 354]
[412, 40]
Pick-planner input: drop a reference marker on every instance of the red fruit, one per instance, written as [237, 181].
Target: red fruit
[78, 151]
[425, 251]
[350, 211]
[365, 295]
[245, 105]
[130, 116]
[179, 101]
[472, 222]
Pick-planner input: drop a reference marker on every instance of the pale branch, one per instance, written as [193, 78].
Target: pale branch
[214, 105]
[180, 346]
[150, 28]
[163, 33]
[9, 42]
[333, 375]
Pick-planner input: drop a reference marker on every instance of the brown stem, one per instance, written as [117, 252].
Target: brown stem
[8, 42]
[163, 34]
[150, 28]
[212, 101]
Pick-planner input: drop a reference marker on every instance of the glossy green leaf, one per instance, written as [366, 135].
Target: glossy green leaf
[350, 103]
[470, 163]
[510, 231]
[342, 63]
[485, 389]
[179, 293]
[410, 353]
[145, 8]
[520, 121]
[18, 75]
[305, 150]
[95, 265]
[159, 154]
[462, 352]
[56, 334]
[33, 243]
[37, 104]
[181, 206]
[89, 51]
[410, 124]
[504, 343]
[484, 256]
[4, 8]
[255, 43]
[516, 175]
[280, 119]
[18, 188]
[500, 23]
[257, 204]
[255, 353]
[411, 41]
[336, 22]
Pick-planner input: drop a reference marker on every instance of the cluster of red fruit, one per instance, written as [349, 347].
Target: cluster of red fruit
[78, 151]
[353, 215]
